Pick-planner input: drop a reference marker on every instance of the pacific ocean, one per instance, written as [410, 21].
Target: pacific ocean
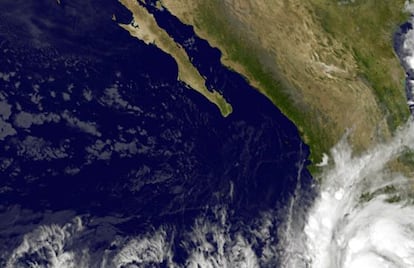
[108, 161]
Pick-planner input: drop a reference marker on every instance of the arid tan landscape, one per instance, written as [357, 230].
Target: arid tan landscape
[317, 60]
[145, 28]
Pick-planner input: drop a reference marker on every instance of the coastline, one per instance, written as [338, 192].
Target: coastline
[144, 27]
[404, 53]
[368, 101]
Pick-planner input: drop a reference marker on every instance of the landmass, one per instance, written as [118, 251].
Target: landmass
[145, 27]
[328, 65]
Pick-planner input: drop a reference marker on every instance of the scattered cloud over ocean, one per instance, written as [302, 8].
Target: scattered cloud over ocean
[207, 243]
[47, 246]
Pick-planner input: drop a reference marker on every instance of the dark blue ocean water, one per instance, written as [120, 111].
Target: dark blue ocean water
[101, 127]
[398, 42]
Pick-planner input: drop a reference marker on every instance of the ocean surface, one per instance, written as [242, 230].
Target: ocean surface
[363, 213]
[106, 160]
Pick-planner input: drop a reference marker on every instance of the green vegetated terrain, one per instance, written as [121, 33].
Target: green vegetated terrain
[328, 65]
[239, 49]
[366, 28]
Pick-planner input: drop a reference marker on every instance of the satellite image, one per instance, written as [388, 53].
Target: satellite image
[206, 133]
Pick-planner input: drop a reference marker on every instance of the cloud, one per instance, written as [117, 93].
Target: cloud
[364, 216]
[46, 246]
